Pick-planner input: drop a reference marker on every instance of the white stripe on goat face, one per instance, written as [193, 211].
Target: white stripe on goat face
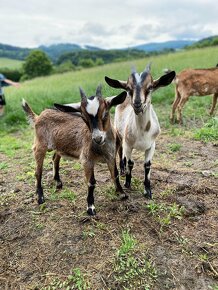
[92, 106]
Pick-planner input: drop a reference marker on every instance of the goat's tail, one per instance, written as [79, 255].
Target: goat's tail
[30, 114]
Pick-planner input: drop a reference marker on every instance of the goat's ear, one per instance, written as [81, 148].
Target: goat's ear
[70, 108]
[114, 101]
[164, 80]
[116, 83]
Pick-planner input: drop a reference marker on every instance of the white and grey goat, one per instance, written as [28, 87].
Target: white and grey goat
[83, 131]
[136, 123]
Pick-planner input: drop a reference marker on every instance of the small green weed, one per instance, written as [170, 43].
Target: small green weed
[3, 165]
[209, 132]
[75, 281]
[77, 166]
[214, 287]
[174, 147]
[63, 194]
[133, 269]
[110, 192]
[164, 213]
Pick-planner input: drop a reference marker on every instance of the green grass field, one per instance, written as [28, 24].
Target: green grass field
[10, 63]
[42, 92]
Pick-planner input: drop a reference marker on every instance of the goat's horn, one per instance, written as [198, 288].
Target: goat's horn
[133, 70]
[83, 95]
[98, 91]
[148, 67]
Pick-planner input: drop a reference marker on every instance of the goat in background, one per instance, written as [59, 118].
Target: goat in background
[194, 82]
[82, 131]
[136, 123]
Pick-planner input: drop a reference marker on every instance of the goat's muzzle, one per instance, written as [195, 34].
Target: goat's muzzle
[138, 108]
[98, 137]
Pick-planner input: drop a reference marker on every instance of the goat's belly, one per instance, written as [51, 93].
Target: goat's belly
[69, 156]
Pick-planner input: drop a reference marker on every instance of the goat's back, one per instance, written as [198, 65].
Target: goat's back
[198, 81]
[62, 132]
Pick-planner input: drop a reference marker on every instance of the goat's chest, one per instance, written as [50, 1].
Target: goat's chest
[139, 138]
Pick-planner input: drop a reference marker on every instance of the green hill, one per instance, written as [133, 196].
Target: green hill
[209, 41]
[63, 88]
[10, 63]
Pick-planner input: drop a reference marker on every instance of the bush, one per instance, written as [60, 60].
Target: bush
[37, 64]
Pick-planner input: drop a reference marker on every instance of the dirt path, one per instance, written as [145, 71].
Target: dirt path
[176, 233]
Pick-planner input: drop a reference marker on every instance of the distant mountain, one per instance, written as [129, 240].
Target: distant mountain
[13, 52]
[54, 51]
[159, 46]
[209, 41]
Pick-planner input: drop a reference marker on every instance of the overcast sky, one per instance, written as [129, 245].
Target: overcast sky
[105, 24]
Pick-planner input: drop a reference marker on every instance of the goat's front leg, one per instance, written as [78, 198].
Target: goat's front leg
[39, 155]
[127, 154]
[56, 162]
[90, 178]
[115, 177]
[147, 166]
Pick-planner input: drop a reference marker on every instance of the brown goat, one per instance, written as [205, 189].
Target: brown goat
[194, 82]
[83, 131]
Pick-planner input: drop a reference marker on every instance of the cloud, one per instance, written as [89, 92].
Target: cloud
[107, 24]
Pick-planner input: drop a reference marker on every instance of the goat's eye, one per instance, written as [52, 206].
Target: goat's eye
[130, 92]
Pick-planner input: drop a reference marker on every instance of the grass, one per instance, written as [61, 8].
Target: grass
[163, 213]
[174, 147]
[76, 280]
[132, 268]
[209, 132]
[42, 92]
[10, 63]
[63, 194]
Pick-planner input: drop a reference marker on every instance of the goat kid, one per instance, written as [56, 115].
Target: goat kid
[82, 131]
[136, 122]
[194, 82]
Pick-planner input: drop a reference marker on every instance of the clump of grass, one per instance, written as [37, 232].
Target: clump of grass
[75, 281]
[209, 132]
[174, 147]
[110, 192]
[132, 270]
[3, 165]
[164, 213]
[63, 194]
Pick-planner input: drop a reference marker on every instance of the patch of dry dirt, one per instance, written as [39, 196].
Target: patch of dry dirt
[38, 245]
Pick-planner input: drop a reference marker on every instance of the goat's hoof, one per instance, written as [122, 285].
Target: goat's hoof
[127, 184]
[41, 200]
[59, 185]
[91, 211]
[148, 194]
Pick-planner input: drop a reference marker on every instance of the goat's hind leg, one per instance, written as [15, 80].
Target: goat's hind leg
[147, 167]
[115, 177]
[56, 162]
[174, 106]
[39, 154]
[215, 97]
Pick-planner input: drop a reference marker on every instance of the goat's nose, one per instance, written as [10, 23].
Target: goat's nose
[98, 139]
[137, 105]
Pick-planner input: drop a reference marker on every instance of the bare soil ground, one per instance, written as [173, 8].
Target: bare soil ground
[39, 245]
